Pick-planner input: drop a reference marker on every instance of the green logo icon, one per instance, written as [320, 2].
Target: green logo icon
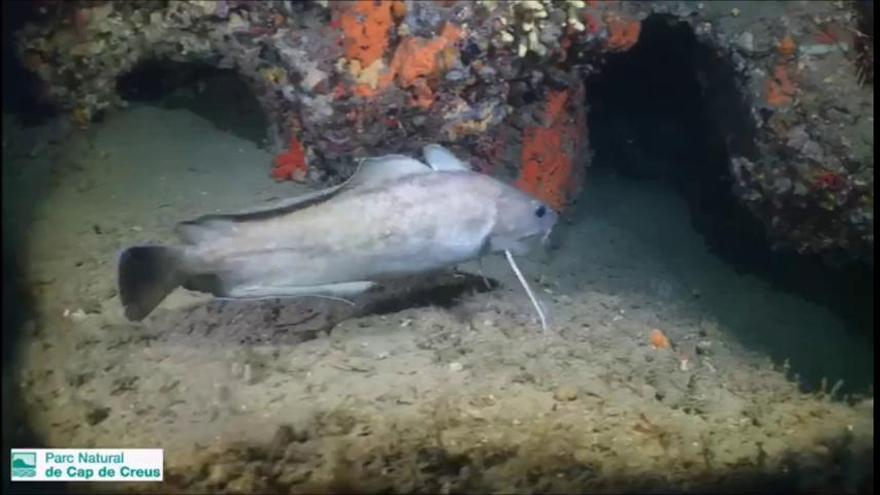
[24, 464]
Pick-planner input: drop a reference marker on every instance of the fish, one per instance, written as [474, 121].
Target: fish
[395, 216]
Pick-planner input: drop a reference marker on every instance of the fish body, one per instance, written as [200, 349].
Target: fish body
[396, 216]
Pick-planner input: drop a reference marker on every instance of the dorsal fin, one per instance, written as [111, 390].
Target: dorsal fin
[380, 170]
[371, 172]
[441, 159]
[211, 226]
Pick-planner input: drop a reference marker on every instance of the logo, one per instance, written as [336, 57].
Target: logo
[24, 464]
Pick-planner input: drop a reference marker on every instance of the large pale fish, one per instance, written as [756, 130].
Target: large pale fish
[395, 216]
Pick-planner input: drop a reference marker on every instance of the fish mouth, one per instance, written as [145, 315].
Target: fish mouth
[543, 237]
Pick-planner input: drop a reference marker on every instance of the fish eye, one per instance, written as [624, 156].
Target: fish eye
[540, 211]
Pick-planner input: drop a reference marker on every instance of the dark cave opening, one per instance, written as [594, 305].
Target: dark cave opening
[669, 111]
[220, 96]
[649, 119]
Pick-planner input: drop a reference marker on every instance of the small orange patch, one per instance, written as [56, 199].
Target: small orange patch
[81, 118]
[592, 24]
[659, 340]
[780, 88]
[398, 9]
[277, 20]
[786, 47]
[828, 180]
[622, 35]
[291, 165]
[364, 90]
[826, 38]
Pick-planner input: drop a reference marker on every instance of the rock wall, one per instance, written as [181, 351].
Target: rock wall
[501, 84]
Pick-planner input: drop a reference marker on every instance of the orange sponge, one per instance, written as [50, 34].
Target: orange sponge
[291, 165]
[365, 25]
[548, 169]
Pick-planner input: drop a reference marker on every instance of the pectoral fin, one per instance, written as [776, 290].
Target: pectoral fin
[515, 246]
[380, 170]
[209, 227]
[441, 159]
[371, 172]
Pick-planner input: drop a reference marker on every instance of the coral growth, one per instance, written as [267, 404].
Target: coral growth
[593, 26]
[365, 25]
[548, 153]
[291, 165]
[416, 59]
[780, 88]
[830, 181]
[398, 9]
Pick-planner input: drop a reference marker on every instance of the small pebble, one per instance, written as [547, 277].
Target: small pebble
[566, 393]
[455, 366]
[221, 473]
[236, 369]
[455, 75]
[248, 375]
[703, 347]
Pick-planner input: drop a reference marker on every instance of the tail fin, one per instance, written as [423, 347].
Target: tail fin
[146, 275]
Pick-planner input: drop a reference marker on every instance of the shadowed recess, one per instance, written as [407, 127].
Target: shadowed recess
[220, 96]
[669, 111]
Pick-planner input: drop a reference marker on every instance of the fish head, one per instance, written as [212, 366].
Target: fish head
[520, 219]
